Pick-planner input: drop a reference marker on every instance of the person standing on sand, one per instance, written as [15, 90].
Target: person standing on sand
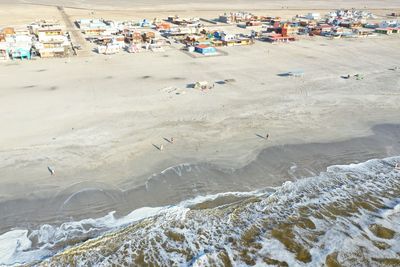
[172, 140]
[267, 136]
[51, 170]
[161, 147]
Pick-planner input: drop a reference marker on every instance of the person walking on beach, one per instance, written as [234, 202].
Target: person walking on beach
[161, 147]
[51, 170]
[172, 140]
[267, 136]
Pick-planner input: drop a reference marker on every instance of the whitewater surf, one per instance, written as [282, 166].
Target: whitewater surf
[348, 215]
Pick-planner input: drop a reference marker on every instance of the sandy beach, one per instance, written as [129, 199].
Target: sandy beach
[98, 120]
[123, 9]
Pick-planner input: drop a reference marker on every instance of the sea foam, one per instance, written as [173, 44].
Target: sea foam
[348, 214]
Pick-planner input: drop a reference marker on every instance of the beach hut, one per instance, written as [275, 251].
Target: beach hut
[205, 50]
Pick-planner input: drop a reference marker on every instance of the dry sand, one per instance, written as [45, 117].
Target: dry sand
[15, 12]
[96, 119]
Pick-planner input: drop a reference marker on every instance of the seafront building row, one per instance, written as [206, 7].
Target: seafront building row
[41, 38]
[199, 36]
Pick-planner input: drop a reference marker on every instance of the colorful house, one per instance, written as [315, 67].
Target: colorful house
[288, 29]
[21, 53]
[217, 35]
[205, 49]
[163, 26]
[279, 38]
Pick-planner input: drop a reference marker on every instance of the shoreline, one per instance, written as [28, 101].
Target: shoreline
[367, 198]
[271, 167]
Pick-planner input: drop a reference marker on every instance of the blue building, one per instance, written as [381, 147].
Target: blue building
[21, 53]
[205, 49]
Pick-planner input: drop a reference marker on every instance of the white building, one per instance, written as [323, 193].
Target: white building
[389, 24]
[227, 37]
[313, 16]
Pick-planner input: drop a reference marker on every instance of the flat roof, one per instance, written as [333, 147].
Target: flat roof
[52, 29]
[387, 28]
[202, 46]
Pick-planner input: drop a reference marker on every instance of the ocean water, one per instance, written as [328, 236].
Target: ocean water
[348, 215]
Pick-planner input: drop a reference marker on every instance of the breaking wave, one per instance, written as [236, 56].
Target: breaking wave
[348, 215]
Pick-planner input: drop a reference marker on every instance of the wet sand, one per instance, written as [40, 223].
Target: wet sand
[271, 168]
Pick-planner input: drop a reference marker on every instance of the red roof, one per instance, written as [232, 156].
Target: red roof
[276, 35]
[280, 37]
[202, 46]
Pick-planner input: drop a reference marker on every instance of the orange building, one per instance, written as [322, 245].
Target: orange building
[288, 30]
